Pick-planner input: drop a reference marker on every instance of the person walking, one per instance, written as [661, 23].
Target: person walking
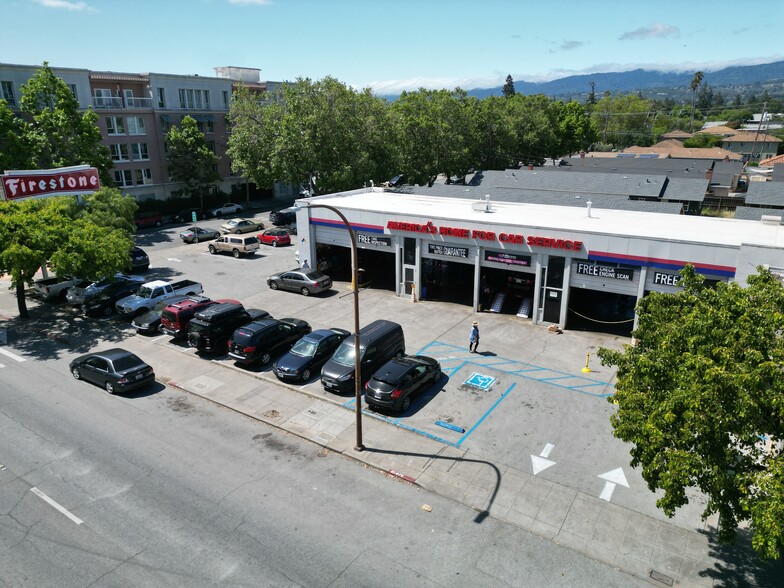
[473, 339]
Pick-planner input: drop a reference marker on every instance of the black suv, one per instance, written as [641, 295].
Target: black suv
[259, 341]
[211, 328]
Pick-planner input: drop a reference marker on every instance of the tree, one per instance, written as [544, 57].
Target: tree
[65, 234]
[56, 133]
[575, 131]
[591, 101]
[696, 80]
[509, 89]
[699, 395]
[191, 162]
[15, 148]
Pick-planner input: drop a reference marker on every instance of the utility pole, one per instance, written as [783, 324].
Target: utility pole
[759, 126]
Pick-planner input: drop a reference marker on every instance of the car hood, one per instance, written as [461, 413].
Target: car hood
[334, 369]
[148, 318]
[293, 362]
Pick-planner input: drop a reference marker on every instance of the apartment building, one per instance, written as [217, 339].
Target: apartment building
[136, 110]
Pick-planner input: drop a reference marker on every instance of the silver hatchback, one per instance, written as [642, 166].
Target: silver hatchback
[303, 280]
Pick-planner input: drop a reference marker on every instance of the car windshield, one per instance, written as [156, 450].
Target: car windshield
[345, 354]
[126, 362]
[304, 348]
[145, 291]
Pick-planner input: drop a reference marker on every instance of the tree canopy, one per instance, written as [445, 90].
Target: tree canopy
[701, 398]
[191, 162]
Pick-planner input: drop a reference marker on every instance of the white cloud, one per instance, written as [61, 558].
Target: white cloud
[656, 31]
[65, 4]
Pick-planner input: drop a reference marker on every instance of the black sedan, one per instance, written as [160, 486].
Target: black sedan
[308, 354]
[197, 234]
[398, 380]
[116, 370]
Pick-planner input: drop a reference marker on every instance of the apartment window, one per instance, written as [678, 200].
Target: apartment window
[200, 126]
[102, 97]
[210, 126]
[72, 87]
[123, 177]
[144, 176]
[211, 146]
[119, 152]
[194, 99]
[161, 98]
[115, 125]
[225, 98]
[136, 125]
[139, 151]
[8, 93]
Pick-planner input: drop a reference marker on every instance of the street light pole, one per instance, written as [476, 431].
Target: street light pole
[355, 286]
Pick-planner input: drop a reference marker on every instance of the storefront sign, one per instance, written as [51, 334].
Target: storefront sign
[510, 258]
[447, 250]
[666, 279]
[373, 240]
[606, 271]
[18, 185]
[429, 228]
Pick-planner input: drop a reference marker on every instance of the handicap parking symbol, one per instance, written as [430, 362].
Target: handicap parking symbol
[480, 381]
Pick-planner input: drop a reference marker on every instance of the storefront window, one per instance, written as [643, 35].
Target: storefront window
[555, 272]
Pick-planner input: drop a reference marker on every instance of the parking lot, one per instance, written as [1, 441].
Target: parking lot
[522, 400]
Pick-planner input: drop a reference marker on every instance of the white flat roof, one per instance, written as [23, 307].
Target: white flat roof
[683, 228]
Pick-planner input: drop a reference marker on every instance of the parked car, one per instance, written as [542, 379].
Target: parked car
[395, 383]
[186, 216]
[56, 288]
[139, 260]
[150, 218]
[237, 245]
[379, 342]
[78, 296]
[150, 293]
[176, 317]
[104, 304]
[261, 340]
[210, 329]
[303, 280]
[150, 322]
[228, 208]
[397, 181]
[241, 225]
[283, 217]
[308, 354]
[115, 370]
[196, 234]
[274, 237]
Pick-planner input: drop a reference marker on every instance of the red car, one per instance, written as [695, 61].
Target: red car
[275, 237]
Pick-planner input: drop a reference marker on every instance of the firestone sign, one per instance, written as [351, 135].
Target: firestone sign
[18, 185]
[462, 233]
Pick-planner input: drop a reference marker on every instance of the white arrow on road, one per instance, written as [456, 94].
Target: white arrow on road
[539, 463]
[612, 478]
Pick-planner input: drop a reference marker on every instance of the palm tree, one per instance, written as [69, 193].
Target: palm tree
[694, 85]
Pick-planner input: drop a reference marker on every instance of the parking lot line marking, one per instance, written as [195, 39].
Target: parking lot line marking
[51, 502]
[398, 423]
[484, 416]
[18, 358]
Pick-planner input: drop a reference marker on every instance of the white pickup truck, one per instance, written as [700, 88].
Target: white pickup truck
[54, 288]
[152, 293]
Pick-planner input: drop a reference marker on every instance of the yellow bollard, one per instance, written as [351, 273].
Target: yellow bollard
[586, 369]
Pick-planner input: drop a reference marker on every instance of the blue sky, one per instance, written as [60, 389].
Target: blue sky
[391, 45]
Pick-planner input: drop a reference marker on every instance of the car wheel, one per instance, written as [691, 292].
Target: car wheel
[109, 387]
[158, 223]
[399, 353]
[274, 243]
[236, 253]
[218, 213]
[265, 358]
[305, 292]
[76, 373]
[406, 404]
[107, 311]
[273, 285]
[195, 240]
[305, 375]
[212, 249]
[236, 231]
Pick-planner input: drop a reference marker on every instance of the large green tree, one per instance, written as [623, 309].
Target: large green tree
[15, 149]
[191, 162]
[701, 399]
[575, 131]
[56, 132]
[91, 240]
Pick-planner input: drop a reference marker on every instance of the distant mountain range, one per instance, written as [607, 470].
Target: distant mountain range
[652, 84]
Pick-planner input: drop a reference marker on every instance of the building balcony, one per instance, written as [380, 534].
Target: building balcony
[118, 103]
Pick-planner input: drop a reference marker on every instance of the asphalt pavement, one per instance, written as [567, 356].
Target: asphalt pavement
[518, 431]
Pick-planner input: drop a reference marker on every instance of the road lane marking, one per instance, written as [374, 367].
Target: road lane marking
[18, 358]
[51, 502]
[612, 479]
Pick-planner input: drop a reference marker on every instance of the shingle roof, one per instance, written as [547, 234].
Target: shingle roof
[778, 160]
[752, 213]
[676, 134]
[636, 165]
[650, 186]
[685, 189]
[765, 194]
[751, 137]
[717, 130]
[680, 152]
[724, 172]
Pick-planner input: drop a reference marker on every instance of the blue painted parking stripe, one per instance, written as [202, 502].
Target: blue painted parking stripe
[351, 404]
[484, 416]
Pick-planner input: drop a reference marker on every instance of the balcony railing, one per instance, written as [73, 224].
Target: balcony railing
[118, 103]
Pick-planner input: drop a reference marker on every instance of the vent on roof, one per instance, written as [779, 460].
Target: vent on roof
[769, 219]
[482, 205]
